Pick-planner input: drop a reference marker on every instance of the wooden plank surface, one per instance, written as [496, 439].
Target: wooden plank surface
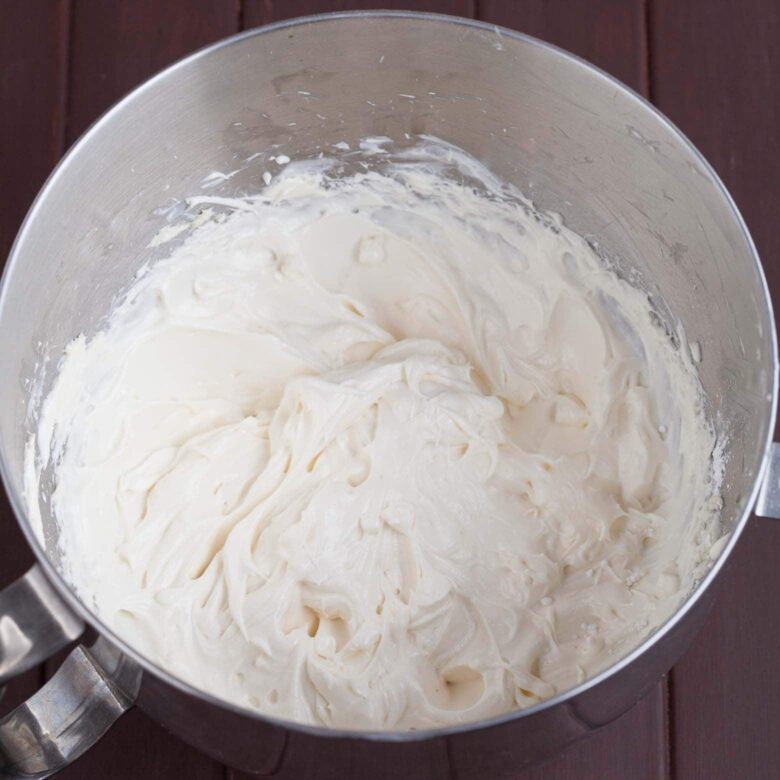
[118, 44]
[115, 46]
[608, 33]
[712, 67]
[256, 12]
[612, 35]
[715, 73]
[634, 747]
[33, 48]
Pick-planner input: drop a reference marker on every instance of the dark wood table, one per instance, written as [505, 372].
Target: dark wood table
[713, 66]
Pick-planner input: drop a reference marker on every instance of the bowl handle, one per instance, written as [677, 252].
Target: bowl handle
[91, 689]
[768, 502]
[34, 624]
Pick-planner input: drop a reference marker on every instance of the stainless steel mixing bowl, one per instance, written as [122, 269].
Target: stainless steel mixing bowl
[577, 141]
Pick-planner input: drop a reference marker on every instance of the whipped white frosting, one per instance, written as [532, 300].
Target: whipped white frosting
[384, 450]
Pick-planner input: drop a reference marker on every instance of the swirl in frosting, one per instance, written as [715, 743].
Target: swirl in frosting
[385, 450]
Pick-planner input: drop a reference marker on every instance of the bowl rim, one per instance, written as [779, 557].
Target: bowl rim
[69, 596]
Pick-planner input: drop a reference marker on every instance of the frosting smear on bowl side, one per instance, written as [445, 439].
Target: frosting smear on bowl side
[384, 449]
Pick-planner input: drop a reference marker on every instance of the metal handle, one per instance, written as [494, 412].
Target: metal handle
[34, 624]
[86, 695]
[768, 503]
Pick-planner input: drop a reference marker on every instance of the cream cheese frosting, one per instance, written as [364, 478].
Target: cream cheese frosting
[382, 448]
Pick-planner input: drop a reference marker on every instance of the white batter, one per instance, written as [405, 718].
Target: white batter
[381, 452]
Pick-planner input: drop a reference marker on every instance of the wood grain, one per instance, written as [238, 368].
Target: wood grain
[608, 33]
[33, 42]
[256, 12]
[715, 73]
[298, 763]
[33, 46]
[114, 47]
[631, 748]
